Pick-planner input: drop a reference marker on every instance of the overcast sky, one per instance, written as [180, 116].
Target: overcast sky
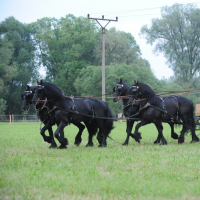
[132, 15]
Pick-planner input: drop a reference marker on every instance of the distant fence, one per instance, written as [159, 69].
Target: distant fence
[19, 118]
[30, 118]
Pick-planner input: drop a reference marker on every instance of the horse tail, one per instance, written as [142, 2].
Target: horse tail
[190, 119]
[109, 122]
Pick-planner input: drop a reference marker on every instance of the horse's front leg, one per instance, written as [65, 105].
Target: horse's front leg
[160, 133]
[63, 141]
[53, 143]
[137, 135]
[129, 126]
[47, 125]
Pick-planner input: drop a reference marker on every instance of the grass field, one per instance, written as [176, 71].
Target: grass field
[30, 170]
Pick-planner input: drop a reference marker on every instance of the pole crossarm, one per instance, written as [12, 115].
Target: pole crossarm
[114, 20]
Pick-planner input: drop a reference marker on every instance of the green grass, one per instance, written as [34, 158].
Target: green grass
[30, 170]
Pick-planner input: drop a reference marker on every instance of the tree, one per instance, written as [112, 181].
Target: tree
[65, 46]
[120, 47]
[6, 71]
[89, 81]
[177, 35]
[20, 61]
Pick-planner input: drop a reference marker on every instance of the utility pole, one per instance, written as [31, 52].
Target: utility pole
[103, 51]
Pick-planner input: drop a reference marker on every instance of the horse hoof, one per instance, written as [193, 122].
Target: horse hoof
[53, 146]
[180, 141]
[194, 141]
[163, 143]
[125, 144]
[89, 145]
[62, 147]
[174, 136]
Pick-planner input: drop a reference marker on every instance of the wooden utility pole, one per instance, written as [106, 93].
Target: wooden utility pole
[103, 51]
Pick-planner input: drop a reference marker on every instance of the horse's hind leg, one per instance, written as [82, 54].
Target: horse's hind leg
[100, 137]
[129, 126]
[194, 136]
[181, 138]
[173, 134]
[78, 138]
[92, 129]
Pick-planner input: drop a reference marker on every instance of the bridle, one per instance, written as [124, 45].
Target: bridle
[119, 89]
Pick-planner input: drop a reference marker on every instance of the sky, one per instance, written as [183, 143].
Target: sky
[132, 15]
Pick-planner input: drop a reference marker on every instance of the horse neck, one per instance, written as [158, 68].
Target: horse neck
[150, 97]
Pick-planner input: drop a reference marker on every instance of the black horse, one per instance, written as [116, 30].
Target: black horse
[44, 114]
[132, 109]
[154, 109]
[129, 109]
[71, 110]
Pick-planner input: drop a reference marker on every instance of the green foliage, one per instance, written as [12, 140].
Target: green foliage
[89, 81]
[19, 67]
[30, 170]
[120, 47]
[177, 35]
[64, 47]
[7, 71]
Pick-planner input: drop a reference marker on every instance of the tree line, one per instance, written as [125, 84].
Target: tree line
[70, 51]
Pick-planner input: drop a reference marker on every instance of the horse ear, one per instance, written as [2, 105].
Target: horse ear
[28, 86]
[38, 82]
[120, 80]
[41, 82]
[117, 81]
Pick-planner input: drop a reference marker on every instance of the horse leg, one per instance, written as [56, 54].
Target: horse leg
[173, 134]
[42, 132]
[53, 143]
[194, 136]
[104, 143]
[182, 137]
[78, 138]
[92, 129]
[129, 126]
[137, 135]
[63, 141]
[100, 137]
[159, 127]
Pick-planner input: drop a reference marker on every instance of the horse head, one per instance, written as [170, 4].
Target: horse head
[134, 92]
[119, 90]
[38, 93]
[27, 98]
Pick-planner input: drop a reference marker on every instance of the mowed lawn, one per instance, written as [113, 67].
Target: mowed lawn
[30, 170]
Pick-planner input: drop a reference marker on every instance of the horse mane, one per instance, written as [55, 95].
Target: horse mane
[52, 91]
[148, 93]
[129, 87]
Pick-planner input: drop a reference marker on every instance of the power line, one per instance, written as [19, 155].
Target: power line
[137, 10]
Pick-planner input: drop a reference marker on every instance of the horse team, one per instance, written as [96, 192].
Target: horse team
[53, 107]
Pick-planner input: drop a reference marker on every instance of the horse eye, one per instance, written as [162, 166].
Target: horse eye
[114, 89]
